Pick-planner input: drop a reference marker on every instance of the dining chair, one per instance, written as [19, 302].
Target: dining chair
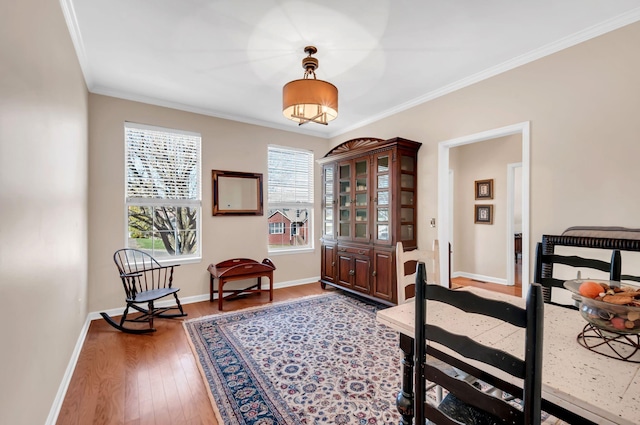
[465, 402]
[544, 272]
[144, 281]
[407, 261]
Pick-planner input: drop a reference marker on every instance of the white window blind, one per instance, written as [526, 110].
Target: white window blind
[290, 176]
[162, 165]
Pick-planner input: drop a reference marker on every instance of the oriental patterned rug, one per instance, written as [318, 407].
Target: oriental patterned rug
[321, 359]
[316, 360]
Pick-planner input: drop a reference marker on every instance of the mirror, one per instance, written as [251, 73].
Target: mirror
[237, 193]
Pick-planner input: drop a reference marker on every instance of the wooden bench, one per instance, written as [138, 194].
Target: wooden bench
[240, 269]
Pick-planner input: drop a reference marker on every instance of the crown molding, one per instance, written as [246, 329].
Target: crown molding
[74, 31]
[546, 50]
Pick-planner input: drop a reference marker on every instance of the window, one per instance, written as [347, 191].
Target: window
[163, 197]
[290, 198]
[276, 228]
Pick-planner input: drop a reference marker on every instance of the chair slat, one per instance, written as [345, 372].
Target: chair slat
[576, 261]
[476, 351]
[472, 303]
[474, 396]
[480, 375]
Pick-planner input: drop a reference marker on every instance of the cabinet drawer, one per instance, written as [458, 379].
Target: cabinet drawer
[352, 250]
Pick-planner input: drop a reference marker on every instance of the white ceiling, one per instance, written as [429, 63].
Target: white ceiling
[230, 58]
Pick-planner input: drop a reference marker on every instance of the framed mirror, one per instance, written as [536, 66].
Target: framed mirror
[237, 193]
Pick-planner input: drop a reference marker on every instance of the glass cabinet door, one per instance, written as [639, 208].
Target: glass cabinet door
[328, 201]
[361, 200]
[382, 198]
[353, 199]
[407, 198]
[344, 200]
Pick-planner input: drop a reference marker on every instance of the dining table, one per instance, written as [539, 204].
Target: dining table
[576, 380]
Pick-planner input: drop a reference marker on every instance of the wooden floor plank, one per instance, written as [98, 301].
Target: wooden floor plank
[150, 379]
[515, 289]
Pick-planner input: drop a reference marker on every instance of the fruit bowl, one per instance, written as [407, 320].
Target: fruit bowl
[614, 317]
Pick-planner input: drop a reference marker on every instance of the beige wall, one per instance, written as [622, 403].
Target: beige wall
[583, 105]
[43, 207]
[226, 145]
[480, 250]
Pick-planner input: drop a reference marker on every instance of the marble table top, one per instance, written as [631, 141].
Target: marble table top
[601, 389]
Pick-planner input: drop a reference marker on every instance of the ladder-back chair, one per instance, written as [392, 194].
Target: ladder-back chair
[546, 259]
[465, 402]
[145, 281]
[406, 264]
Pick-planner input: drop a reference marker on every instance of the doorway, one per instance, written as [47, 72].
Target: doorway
[445, 205]
[514, 223]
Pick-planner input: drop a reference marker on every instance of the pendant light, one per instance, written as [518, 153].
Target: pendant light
[310, 99]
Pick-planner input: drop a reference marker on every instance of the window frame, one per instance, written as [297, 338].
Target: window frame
[196, 204]
[276, 232]
[308, 204]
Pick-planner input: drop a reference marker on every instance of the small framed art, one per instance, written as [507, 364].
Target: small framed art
[483, 214]
[484, 189]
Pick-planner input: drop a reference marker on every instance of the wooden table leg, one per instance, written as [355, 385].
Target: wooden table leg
[210, 288]
[404, 401]
[220, 293]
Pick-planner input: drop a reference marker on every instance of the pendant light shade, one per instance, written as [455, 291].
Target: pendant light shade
[309, 99]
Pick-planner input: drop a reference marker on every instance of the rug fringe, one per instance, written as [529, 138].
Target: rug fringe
[257, 307]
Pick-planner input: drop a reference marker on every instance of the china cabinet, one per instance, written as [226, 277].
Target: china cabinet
[369, 202]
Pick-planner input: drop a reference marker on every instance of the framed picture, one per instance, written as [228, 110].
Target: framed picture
[483, 214]
[484, 189]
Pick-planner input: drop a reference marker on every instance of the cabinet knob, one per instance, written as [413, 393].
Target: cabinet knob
[361, 252]
[374, 273]
[351, 272]
[333, 264]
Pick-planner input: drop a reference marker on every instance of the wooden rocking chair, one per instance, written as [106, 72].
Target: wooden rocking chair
[144, 281]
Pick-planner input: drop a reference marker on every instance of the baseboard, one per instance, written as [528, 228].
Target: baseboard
[202, 297]
[481, 278]
[66, 379]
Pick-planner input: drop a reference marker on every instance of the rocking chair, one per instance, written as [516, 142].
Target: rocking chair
[144, 281]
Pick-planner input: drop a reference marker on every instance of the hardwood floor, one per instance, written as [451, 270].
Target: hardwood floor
[516, 289]
[149, 379]
[154, 379]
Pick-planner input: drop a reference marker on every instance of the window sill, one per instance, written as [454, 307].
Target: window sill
[174, 261]
[292, 251]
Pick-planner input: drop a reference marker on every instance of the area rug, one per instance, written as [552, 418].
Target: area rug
[316, 360]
